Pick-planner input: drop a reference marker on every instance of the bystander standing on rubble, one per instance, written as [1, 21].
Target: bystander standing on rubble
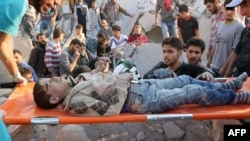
[168, 11]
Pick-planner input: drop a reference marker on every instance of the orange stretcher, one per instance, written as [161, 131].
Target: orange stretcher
[20, 109]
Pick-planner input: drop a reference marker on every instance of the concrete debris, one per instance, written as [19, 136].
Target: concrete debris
[173, 132]
[140, 136]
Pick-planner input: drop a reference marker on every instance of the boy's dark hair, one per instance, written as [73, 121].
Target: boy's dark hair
[173, 41]
[93, 1]
[76, 42]
[41, 98]
[24, 71]
[79, 26]
[194, 41]
[39, 34]
[57, 32]
[183, 8]
[116, 28]
[17, 51]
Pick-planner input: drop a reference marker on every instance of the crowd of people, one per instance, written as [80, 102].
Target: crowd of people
[68, 62]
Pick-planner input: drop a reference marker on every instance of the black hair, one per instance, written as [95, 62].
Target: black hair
[116, 28]
[173, 41]
[76, 42]
[194, 41]
[183, 8]
[41, 98]
[39, 34]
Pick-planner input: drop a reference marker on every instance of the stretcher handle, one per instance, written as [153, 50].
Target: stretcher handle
[8, 84]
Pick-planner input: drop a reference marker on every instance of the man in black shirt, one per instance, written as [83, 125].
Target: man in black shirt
[172, 50]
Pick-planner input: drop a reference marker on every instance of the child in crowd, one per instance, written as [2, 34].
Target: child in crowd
[26, 73]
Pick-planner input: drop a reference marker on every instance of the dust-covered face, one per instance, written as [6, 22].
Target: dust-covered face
[55, 86]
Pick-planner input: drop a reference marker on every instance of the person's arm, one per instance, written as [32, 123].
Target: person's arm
[7, 57]
[150, 73]
[48, 60]
[75, 12]
[195, 26]
[124, 12]
[65, 62]
[230, 64]
[211, 57]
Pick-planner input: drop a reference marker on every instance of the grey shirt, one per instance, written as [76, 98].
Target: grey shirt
[227, 38]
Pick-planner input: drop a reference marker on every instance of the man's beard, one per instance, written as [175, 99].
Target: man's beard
[43, 45]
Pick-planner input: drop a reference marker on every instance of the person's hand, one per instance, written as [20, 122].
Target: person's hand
[162, 73]
[206, 76]
[76, 55]
[19, 79]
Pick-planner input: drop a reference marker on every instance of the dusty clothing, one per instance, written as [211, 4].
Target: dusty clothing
[100, 95]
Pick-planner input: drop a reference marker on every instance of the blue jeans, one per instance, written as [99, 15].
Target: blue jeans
[44, 25]
[159, 95]
[168, 28]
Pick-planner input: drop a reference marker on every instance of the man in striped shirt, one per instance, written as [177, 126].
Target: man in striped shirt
[53, 52]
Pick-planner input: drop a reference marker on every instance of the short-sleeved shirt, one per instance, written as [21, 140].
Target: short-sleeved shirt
[188, 27]
[11, 13]
[226, 40]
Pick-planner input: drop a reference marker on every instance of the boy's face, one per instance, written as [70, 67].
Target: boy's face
[55, 86]
[78, 31]
[170, 55]
[29, 77]
[137, 29]
[116, 33]
[94, 4]
[184, 15]
[193, 54]
[103, 23]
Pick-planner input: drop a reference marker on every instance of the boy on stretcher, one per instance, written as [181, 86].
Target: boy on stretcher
[103, 93]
